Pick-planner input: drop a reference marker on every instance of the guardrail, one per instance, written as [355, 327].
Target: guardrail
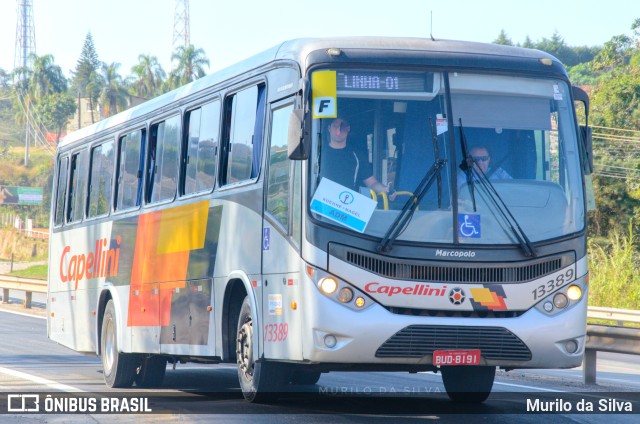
[609, 338]
[28, 285]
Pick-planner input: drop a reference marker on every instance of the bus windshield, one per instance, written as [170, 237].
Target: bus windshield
[506, 145]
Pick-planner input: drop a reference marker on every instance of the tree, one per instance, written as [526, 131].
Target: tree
[503, 39]
[5, 79]
[615, 103]
[149, 76]
[616, 100]
[583, 74]
[557, 47]
[55, 110]
[113, 94]
[528, 44]
[190, 64]
[615, 53]
[46, 78]
[84, 76]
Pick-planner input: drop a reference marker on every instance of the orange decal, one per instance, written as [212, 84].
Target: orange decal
[488, 299]
[164, 242]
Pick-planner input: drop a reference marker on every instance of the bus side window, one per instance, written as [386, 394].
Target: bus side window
[162, 162]
[244, 121]
[201, 147]
[279, 167]
[129, 189]
[100, 179]
[61, 190]
[78, 182]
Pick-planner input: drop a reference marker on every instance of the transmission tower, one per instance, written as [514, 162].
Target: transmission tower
[23, 58]
[181, 36]
[25, 35]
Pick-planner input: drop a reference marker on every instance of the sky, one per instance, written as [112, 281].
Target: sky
[229, 31]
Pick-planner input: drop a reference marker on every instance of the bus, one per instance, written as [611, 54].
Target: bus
[208, 224]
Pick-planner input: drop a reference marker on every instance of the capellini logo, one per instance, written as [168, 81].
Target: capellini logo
[102, 262]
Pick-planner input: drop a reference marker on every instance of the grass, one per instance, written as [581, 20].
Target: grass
[37, 271]
[614, 272]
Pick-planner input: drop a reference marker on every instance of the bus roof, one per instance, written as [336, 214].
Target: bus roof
[299, 50]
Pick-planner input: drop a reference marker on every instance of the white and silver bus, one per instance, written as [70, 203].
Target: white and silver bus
[209, 224]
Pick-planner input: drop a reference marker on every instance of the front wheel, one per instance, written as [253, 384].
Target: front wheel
[259, 380]
[468, 383]
[118, 368]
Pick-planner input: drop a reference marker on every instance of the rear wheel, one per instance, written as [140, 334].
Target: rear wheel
[118, 368]
[468, 383]
[260, 381]
[150, 372]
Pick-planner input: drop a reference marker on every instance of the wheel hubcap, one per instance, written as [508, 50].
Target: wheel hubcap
[109, 347]
[244, 352]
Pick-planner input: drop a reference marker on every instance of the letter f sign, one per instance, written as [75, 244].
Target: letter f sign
[324, 94]
[324, 107]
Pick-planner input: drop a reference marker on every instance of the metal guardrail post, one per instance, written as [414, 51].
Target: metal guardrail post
[606, 338]
[27, 285]
[589, 366]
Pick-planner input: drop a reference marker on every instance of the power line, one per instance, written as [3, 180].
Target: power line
[615, 129]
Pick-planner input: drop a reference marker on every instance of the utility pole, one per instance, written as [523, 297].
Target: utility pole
[181, 33]
[25, 47]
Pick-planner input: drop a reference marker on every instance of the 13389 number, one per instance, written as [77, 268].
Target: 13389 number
[551, 285]
[276, 332]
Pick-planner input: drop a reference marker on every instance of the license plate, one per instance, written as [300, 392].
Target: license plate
[456, 357]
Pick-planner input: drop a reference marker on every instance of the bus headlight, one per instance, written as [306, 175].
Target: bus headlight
[564, 298]
[345, 295]
[560, 300]
[328, 285]
[337, 289]
[574, 292]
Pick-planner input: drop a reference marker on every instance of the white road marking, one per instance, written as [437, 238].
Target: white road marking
[529, 387]
[22, 314]
[39, 380]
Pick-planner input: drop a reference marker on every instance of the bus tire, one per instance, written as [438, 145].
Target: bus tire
[118, 368]
[260, 381]
[305, 377]
[468, 383]
[150, 372]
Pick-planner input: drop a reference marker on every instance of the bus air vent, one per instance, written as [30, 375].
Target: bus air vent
[467, 272]
[417, 341]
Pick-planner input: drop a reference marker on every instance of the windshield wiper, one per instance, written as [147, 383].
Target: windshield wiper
[467, 165]
[398, 225]
[474, 172]
[436, 154]
[502, 207]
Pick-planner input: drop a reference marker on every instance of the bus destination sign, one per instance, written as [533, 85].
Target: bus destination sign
[384, 81]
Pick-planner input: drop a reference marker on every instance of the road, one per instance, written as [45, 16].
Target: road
[196, 393]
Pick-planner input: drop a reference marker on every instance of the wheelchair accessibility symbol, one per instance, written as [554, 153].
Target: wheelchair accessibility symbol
[469, 225]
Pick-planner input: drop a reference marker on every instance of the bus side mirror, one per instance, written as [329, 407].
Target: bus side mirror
[296, 147]
[579, 95]
[587, 138]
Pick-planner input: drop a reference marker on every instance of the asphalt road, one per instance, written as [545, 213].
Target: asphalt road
[30, 362]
